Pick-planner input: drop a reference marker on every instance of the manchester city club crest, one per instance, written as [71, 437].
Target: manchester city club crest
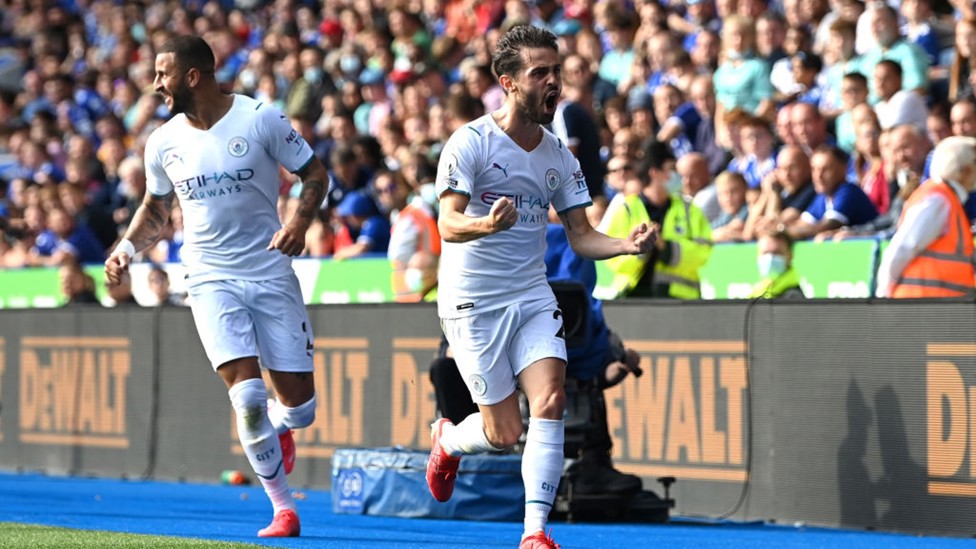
[478, 385]
[552, 178]
[237, 146]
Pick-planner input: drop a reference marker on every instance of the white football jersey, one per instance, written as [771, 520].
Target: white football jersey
[480, 160]
[226, 179]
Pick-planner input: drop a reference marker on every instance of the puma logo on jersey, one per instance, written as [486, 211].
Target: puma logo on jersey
[170, 158]
[498, 166]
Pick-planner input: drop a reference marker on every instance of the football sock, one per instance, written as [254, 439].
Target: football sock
[542, 467]
[467, 437]
[260, 441]
[284, 418]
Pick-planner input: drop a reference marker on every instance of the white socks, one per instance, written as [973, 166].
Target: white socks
[467, 437]
[260, 441]
[542, 467]
[284, 418]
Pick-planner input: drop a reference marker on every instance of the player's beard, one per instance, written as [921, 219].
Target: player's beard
[535, 108]
[182, 98]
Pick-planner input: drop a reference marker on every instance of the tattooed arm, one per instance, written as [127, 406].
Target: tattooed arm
[290, 239]
[147, 224]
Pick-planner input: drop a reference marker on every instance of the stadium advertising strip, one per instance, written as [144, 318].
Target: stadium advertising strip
[830, 412]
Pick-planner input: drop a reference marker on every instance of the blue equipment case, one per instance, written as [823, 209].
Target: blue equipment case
[391, 482]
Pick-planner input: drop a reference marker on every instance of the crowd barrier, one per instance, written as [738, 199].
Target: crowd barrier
[827, 269]
[831, 412]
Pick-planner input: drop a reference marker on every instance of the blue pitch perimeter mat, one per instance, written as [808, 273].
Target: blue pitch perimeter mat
[233, 513]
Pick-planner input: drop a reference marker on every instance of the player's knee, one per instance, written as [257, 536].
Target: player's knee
[300, 416]
[549, 405]
[249, 399]
[504, 436]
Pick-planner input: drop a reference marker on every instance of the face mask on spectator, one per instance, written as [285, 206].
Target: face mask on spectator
[248, 79]
[674, 182]
[313, 75]
[350, 64]
[414, 279]
[771, 265]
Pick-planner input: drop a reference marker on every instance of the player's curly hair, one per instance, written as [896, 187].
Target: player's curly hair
[507, 58]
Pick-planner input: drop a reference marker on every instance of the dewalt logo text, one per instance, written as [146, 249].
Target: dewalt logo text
[413, 406]
[685, 415]
[951, 419]
[73, 391]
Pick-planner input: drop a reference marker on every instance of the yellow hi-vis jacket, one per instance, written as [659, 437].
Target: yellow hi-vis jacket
[685, 229]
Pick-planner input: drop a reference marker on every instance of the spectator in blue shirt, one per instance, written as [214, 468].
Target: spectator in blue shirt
[65, 239]
[362, 228]
[838, 203]
[918, 28]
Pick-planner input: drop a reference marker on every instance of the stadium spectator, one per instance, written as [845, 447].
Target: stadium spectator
[702, 94]
[585, 87]
[785, 193]
[798, 39]
[809, 127]
[671, 269]
[938, 124]
[838, 203]
[784, 125]
[414, 230]
[742, 80]
[806, 73]
[615, 65]
[840, 61]
[678, 119]
[963, 59]
[361, 228]
[756, 139]
[869, 165]
[697, 185]
[919, 28]
[853, 93]
[905, 152]
[77, 286]
[120, 295]
[895, 105]
[777, 277]
[65, 239]
[577, 129]
[83, 105]
[730, 189]
[158, 280]
[770, 37]
[420, 276]
[931, 253]
[883, 21]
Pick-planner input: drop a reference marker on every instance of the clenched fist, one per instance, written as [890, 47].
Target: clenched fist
[503, 215]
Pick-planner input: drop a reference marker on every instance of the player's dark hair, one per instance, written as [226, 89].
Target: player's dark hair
[507, 58]
[191, 52]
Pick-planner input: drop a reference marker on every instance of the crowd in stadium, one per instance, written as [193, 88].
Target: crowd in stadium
[727, 104]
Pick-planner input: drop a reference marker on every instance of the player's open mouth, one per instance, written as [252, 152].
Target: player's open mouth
[551, 100]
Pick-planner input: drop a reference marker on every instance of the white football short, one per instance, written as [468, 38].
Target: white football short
[262, 318]
[493, 347]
